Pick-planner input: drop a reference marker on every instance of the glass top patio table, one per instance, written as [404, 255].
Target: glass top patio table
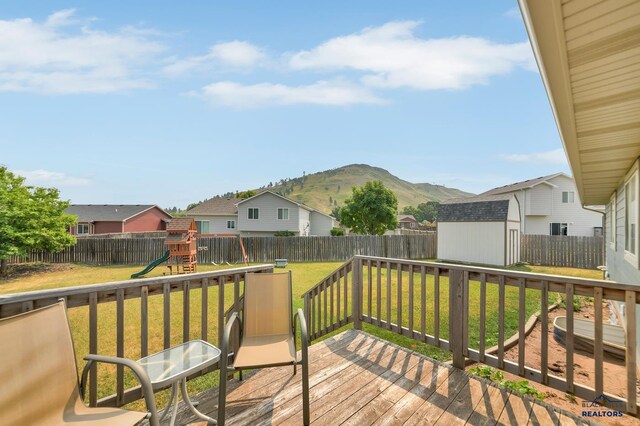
[178, 362]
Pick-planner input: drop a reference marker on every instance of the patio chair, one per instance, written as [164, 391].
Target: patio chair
[268, 334]
[40, 379]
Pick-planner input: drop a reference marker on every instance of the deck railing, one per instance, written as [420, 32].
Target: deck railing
[409, 297]
[153, 294]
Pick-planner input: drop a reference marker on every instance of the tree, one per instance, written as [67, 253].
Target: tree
[370, 210]
[246, 194]
[429, 210]
[336, 213]
[31, 218]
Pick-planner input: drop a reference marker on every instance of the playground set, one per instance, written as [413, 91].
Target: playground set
[182, 253]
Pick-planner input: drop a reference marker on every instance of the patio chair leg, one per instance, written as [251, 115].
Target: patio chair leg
[240, 375]
[295, 369]
[305, 393]
[222, 396]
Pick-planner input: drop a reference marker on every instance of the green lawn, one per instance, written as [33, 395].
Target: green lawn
[305, 275]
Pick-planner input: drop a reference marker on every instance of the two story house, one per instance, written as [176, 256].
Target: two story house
[261, 215]
[550, 205]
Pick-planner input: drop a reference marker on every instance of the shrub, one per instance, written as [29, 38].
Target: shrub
[283, 234]
[337, 232]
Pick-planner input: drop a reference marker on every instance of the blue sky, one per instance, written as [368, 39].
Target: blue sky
[173, 102]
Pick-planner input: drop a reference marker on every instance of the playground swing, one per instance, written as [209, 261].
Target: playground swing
[245, 258]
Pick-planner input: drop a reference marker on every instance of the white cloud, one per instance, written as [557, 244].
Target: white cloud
[234, 54]
[50, 179]
[334, 92]
[64, 55]
[555, 156]
[392, 57]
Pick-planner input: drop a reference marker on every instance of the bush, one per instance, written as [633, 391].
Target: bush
[337, 232]
[283, 234]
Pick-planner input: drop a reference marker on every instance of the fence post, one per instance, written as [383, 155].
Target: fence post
[356, 291]
[456, 309]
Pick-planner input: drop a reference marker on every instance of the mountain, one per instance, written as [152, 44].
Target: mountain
[325, 190]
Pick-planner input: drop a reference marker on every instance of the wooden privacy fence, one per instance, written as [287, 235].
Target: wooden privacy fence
[563, 251]
[140, 251]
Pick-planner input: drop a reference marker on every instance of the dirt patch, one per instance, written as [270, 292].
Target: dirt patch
[614, 372]
[25, 270]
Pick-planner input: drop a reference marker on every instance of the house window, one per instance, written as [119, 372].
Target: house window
[568, 196]
[558, 228]
[202, 226]
[253, 213]
[283, 213]
[631, 215]
[231, 224]
[82, 229]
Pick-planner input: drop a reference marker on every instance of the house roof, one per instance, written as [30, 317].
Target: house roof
[483, 208]
[184, 224]
[299, 204]
[109, 212]
[587, 56]
[216, 206]
[406, 217]
[525, 184]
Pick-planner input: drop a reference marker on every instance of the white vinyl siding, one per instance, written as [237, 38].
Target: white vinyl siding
[268, 221]
[321, 225]
[473, 242]
[217, 224]
[253, 213]
[283, 213]
[631, 218]
[542, 205]
[611, 221]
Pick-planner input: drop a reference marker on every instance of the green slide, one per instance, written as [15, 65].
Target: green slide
[152, 265]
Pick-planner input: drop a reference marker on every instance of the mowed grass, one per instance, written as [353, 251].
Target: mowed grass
[305, 276]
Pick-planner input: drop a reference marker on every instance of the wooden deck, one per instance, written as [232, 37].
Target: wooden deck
[358, 379]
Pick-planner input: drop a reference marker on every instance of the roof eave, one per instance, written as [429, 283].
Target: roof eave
[544, 24]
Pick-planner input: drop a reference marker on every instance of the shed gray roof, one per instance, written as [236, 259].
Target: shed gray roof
[530, 183]
[483, 208]
[216, 206]
[108, 212]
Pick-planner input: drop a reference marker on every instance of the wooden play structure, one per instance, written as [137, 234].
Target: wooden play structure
[181, 242]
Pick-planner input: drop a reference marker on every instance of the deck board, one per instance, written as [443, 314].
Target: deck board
[359, 379]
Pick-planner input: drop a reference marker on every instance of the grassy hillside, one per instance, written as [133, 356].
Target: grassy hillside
[325, 190]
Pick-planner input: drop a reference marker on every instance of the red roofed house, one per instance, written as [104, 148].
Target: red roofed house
[115, 218]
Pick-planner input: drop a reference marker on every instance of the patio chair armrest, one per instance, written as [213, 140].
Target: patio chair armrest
[226, 336]
[141, 375]
[304, 336]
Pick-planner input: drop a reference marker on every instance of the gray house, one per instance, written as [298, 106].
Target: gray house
[482, 229]
[589, 61]
[261, 215]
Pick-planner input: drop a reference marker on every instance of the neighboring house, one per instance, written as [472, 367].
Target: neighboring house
[115, 218]
[261, 215]
[550, 205]
[407, 221]
[481, 229]
[593, 82]
[216, 216]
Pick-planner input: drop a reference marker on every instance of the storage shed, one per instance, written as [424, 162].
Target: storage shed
[483, 229]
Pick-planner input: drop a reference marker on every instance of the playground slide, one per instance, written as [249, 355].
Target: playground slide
[152, 265]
